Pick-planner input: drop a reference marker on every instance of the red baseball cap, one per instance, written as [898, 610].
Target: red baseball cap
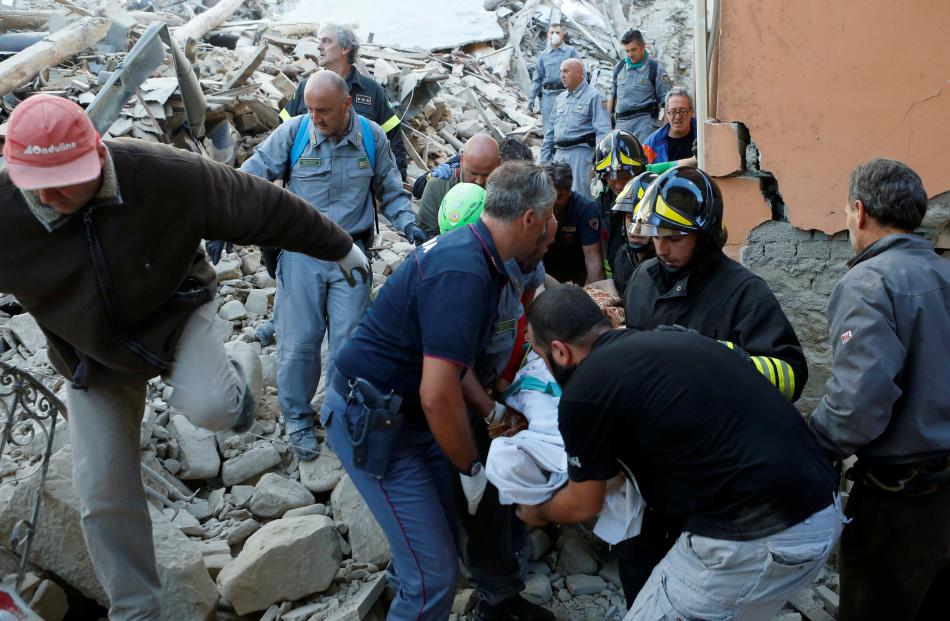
[51, 143]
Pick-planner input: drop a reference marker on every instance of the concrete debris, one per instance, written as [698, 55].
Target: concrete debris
[197, 451]
[250, 464]
[366, 538]
[287, 559]
[274, 495]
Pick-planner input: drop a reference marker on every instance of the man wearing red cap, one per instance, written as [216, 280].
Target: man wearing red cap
[100, 242]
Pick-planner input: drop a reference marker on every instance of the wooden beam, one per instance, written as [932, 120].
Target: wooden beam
[53, 49]
[11, 19]
[251, 63]
[207, 21]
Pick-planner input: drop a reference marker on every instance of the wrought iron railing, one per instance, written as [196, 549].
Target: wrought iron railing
[27, 407]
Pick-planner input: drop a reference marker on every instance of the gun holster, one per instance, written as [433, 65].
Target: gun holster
[376, 428]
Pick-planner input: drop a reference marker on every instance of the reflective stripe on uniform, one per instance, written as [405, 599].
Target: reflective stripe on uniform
[284, 115]
[391, 124]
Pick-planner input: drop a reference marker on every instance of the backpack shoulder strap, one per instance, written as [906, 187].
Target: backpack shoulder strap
[653, 71]
[369, 141]
[300, 141]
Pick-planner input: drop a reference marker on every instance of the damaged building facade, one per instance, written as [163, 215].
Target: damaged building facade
[797, 99]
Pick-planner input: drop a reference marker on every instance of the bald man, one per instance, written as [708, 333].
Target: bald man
[480, 157]
[578, 122]
[339, 176]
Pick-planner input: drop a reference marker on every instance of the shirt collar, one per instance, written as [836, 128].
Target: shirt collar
[904, 240]
[108, 193]
[488, 245]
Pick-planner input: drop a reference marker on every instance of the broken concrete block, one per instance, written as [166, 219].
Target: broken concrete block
[28, 331]
[537, 589]
[227, 269]
[250, 464]
[197, 449]
[232, 310]
[747, 210]
[274, 495]
[258, 301]
[366, 538]
[49, 601]
[323, 473]
[187, 590]
[576, 559]
[580, 584]
[285, 560]
[723, 149]
[250, 263]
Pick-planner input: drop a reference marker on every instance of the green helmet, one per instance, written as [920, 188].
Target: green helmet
[462, 205]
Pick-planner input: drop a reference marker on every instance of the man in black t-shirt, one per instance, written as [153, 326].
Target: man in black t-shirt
[711, 444]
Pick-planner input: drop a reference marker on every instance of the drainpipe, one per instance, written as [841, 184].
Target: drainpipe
[700, 70]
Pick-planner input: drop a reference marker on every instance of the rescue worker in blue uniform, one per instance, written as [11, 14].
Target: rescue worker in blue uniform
[395, 410]
[547, 79]
[640, 83]
[338, 48]
[494, 546]
[578, 122]
[336, 175]
[577, 253]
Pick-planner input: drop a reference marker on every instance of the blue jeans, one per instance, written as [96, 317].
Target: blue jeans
[413, 504]
[312, 294]
[721, 580]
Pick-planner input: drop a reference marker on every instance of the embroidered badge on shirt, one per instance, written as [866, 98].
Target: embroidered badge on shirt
[365, 100]
[846, 337]
[309, 161]
[594, 223]
[364, 163]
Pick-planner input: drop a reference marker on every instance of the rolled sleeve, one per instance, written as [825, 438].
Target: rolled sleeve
[867, 358]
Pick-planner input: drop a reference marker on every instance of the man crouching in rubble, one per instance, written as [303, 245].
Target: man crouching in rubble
[100, 242]
[709, 441]
[394, 410]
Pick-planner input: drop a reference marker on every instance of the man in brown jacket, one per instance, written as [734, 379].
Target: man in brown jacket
[100, 242]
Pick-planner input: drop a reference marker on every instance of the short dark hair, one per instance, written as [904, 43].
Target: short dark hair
[514, 187]
[560, 173]
[512, 149]
[891, 191]
[632, 35]
[566, 313]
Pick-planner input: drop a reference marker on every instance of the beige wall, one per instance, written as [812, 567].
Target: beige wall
[824, 85]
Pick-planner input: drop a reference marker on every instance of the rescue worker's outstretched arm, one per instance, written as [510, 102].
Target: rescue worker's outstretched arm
[387, 188]
[249, 210]
[868, 357]
[574, 503]
[272, 157]
[594, 261]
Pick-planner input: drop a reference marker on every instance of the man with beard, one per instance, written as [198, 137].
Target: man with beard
[395, 410]
[692, 284]
[711, 446]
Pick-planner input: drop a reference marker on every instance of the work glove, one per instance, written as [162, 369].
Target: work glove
[355, 262]
[214, 247]
[442, 171]
[270, 255]
[415, 234]
[473, 486]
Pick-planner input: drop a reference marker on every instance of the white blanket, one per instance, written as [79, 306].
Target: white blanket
[529, 467]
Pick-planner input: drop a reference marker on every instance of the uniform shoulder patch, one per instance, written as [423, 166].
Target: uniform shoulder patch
[666, 78]
[845, 337]
[365, 100]
[594, 223]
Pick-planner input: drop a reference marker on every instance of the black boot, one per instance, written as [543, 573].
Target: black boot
[515, 608]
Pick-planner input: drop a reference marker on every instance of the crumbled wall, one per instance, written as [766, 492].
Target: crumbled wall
[802, 268]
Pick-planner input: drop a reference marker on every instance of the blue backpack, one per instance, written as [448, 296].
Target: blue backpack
[300, 142]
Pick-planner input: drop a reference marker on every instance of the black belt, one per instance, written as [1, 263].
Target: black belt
[653, 108]
[553, 87]
[587, 139]
[912, 479]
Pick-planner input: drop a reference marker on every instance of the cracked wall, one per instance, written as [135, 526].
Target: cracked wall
[802, 93]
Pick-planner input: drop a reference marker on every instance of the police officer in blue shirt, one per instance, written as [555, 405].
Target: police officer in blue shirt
[336, 175]
[576, 254]
[547, 79]
[395, 411]
[578, 122]
[640, 83]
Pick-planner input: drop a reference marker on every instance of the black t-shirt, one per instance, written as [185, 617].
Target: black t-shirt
[710, 441]
[680, 148]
